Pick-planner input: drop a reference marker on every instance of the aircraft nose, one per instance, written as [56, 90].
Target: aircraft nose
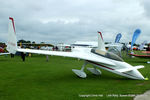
[139, 75]
[136, 75]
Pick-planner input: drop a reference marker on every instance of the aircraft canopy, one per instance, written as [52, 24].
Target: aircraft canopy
[106, 54]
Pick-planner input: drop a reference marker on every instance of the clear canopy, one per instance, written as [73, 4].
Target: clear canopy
[106, 54]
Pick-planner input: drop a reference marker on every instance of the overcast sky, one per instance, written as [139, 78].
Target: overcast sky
[67, 21]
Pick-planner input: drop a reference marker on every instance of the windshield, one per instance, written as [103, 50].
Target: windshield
[106, 54]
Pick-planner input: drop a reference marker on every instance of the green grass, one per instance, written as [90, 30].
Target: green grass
[36, 79]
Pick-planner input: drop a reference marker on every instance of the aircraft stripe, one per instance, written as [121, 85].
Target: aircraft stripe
[100, 34]
[129, 74]
[109, 68]
[12, 22]
[100, 65]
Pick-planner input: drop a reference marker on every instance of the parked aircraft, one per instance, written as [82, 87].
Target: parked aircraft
[2, 52]
[141, 47]
[134, 38]
[98, 57]
[140, 56]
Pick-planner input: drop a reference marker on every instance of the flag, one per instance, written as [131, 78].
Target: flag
[118, 37]
[135, 36]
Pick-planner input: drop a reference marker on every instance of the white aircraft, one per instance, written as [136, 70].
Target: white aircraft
[4, 53]
[116, 45]
[141, 47]
[85, 44]
[98, 57]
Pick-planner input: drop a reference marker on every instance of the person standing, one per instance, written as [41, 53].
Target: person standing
[23, 56]
[47, 57]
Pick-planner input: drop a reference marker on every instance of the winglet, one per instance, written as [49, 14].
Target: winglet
[101, 45]
[12, 40]
[100, 35]
[10, 18]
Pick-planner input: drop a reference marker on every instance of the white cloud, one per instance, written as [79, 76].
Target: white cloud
[60, 20]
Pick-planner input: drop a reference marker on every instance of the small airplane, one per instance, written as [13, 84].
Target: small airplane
[98, 57]
[141, 56]
[2, 52]
[115, 46]
[141, 47]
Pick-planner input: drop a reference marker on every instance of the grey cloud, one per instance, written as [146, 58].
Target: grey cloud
[50, 20]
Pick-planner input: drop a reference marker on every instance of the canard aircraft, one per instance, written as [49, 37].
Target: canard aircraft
[99, 57]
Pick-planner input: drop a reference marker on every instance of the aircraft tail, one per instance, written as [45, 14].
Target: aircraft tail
[101, 44]
[12, 40]
[142, 45]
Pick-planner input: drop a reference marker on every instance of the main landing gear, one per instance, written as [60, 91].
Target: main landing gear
[82, 74]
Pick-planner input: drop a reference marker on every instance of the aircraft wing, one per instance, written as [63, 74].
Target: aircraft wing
[12, 48]
[4, 53]
[80, 55]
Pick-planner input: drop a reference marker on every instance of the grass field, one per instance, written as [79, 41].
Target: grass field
[36, 79]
